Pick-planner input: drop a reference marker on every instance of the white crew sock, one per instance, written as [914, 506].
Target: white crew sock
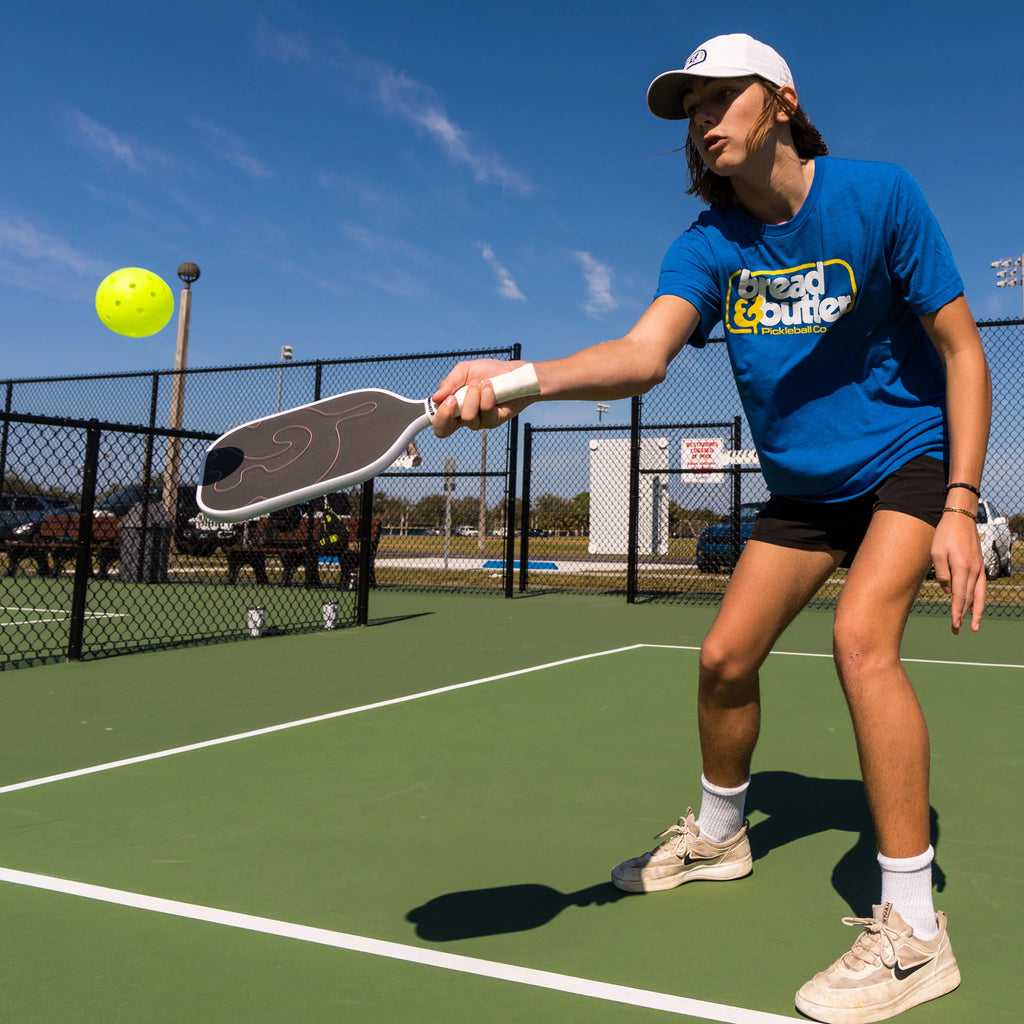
[721, 811]
[907, 885]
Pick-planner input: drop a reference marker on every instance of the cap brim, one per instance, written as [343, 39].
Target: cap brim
[665, 95]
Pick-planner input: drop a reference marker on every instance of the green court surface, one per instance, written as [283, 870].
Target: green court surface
[415, 821]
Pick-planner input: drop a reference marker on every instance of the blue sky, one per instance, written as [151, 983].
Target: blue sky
[356, 179]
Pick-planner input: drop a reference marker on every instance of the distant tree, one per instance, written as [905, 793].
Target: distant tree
[675, 519]
[465, 511]
[581, 523]
[556, 515]
[16, 484]
[389, 509]
[428, 511]
[1017, 524]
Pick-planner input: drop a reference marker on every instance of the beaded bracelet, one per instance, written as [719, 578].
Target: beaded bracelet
[966, 487]
[962, 511]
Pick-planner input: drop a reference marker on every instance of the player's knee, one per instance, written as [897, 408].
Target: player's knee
[860, 654]
[725, 668]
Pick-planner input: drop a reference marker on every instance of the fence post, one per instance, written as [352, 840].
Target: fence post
[9, 398]
[365, 555]
[524, 529]
[632, 556]
[510, 490]
[737, 490]
[510, 506]
[147, 476]
[83, 558]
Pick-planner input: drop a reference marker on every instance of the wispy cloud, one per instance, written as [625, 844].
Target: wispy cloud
[507, 286]
[368, 199]
[104, 143]
[230, 148]
[418, 104]
[27, 243]
[598, 277]
[399, 96]
[36, 261]
[380, 244]
[286, 47]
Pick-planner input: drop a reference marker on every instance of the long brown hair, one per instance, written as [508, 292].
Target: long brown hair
[716, 190]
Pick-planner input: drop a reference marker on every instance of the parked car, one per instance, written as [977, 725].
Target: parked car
[716, 550]
[996, 540]
[194, 532]
[26, 510]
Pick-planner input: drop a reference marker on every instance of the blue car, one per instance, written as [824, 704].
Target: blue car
[26, 510]
[716, 547]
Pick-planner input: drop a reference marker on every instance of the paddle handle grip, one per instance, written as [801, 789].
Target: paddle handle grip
[518, 383]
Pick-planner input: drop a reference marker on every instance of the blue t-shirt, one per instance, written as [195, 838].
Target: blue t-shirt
[839, 381]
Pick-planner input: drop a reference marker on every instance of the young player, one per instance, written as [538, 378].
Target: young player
[867, 392]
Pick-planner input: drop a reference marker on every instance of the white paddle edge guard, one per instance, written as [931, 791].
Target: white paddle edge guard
[325, 486]
[518, 383]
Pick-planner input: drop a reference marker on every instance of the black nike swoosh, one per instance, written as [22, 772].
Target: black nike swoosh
[901, 973]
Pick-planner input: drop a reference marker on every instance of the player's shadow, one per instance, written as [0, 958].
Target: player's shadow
[506, 908]
[796, 806]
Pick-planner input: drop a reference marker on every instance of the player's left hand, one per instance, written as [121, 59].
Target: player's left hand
[960, 568]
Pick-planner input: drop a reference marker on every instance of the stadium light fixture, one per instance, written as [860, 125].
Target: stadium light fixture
[286, 355]
[1009, 273]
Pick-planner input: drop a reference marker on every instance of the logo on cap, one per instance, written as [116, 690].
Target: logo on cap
[697, 57]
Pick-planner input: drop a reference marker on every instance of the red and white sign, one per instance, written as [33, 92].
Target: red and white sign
[703, 454]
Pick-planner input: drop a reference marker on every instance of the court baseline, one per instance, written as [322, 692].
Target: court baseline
[397, 951]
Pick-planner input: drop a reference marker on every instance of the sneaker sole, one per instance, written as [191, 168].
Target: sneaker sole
[941, 983]
[706, 873]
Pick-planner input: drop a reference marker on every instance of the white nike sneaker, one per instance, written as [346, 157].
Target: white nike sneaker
[684, 856]
[887, 971]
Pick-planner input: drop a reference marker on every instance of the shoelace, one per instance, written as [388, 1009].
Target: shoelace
[682, 833]
[876, 944]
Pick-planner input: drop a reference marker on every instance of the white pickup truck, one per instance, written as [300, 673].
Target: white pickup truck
[996, 539]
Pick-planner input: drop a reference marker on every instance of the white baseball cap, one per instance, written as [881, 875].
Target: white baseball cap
[732, 56]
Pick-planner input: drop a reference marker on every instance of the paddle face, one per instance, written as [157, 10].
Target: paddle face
[307, 452]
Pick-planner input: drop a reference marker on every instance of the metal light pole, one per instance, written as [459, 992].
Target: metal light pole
[1009, 273]
[602, 408]
[188, 272]
[286, 355]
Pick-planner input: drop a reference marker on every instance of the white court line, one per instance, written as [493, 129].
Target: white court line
[62, 612]
[805, 654]
[266, 730]
[64, 618]
[397, 951]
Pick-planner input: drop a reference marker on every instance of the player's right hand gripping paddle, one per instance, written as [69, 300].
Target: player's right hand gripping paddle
[316, 449]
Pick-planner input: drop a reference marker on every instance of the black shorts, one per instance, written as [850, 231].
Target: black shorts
[917, 489]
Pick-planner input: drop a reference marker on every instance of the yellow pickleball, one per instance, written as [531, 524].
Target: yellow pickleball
[134, 302]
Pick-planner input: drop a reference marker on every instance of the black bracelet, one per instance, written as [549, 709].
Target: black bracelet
[966, 487]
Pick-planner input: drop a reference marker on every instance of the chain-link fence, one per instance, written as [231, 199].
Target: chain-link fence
[106, 551]
[97, 567]
[661, 509]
